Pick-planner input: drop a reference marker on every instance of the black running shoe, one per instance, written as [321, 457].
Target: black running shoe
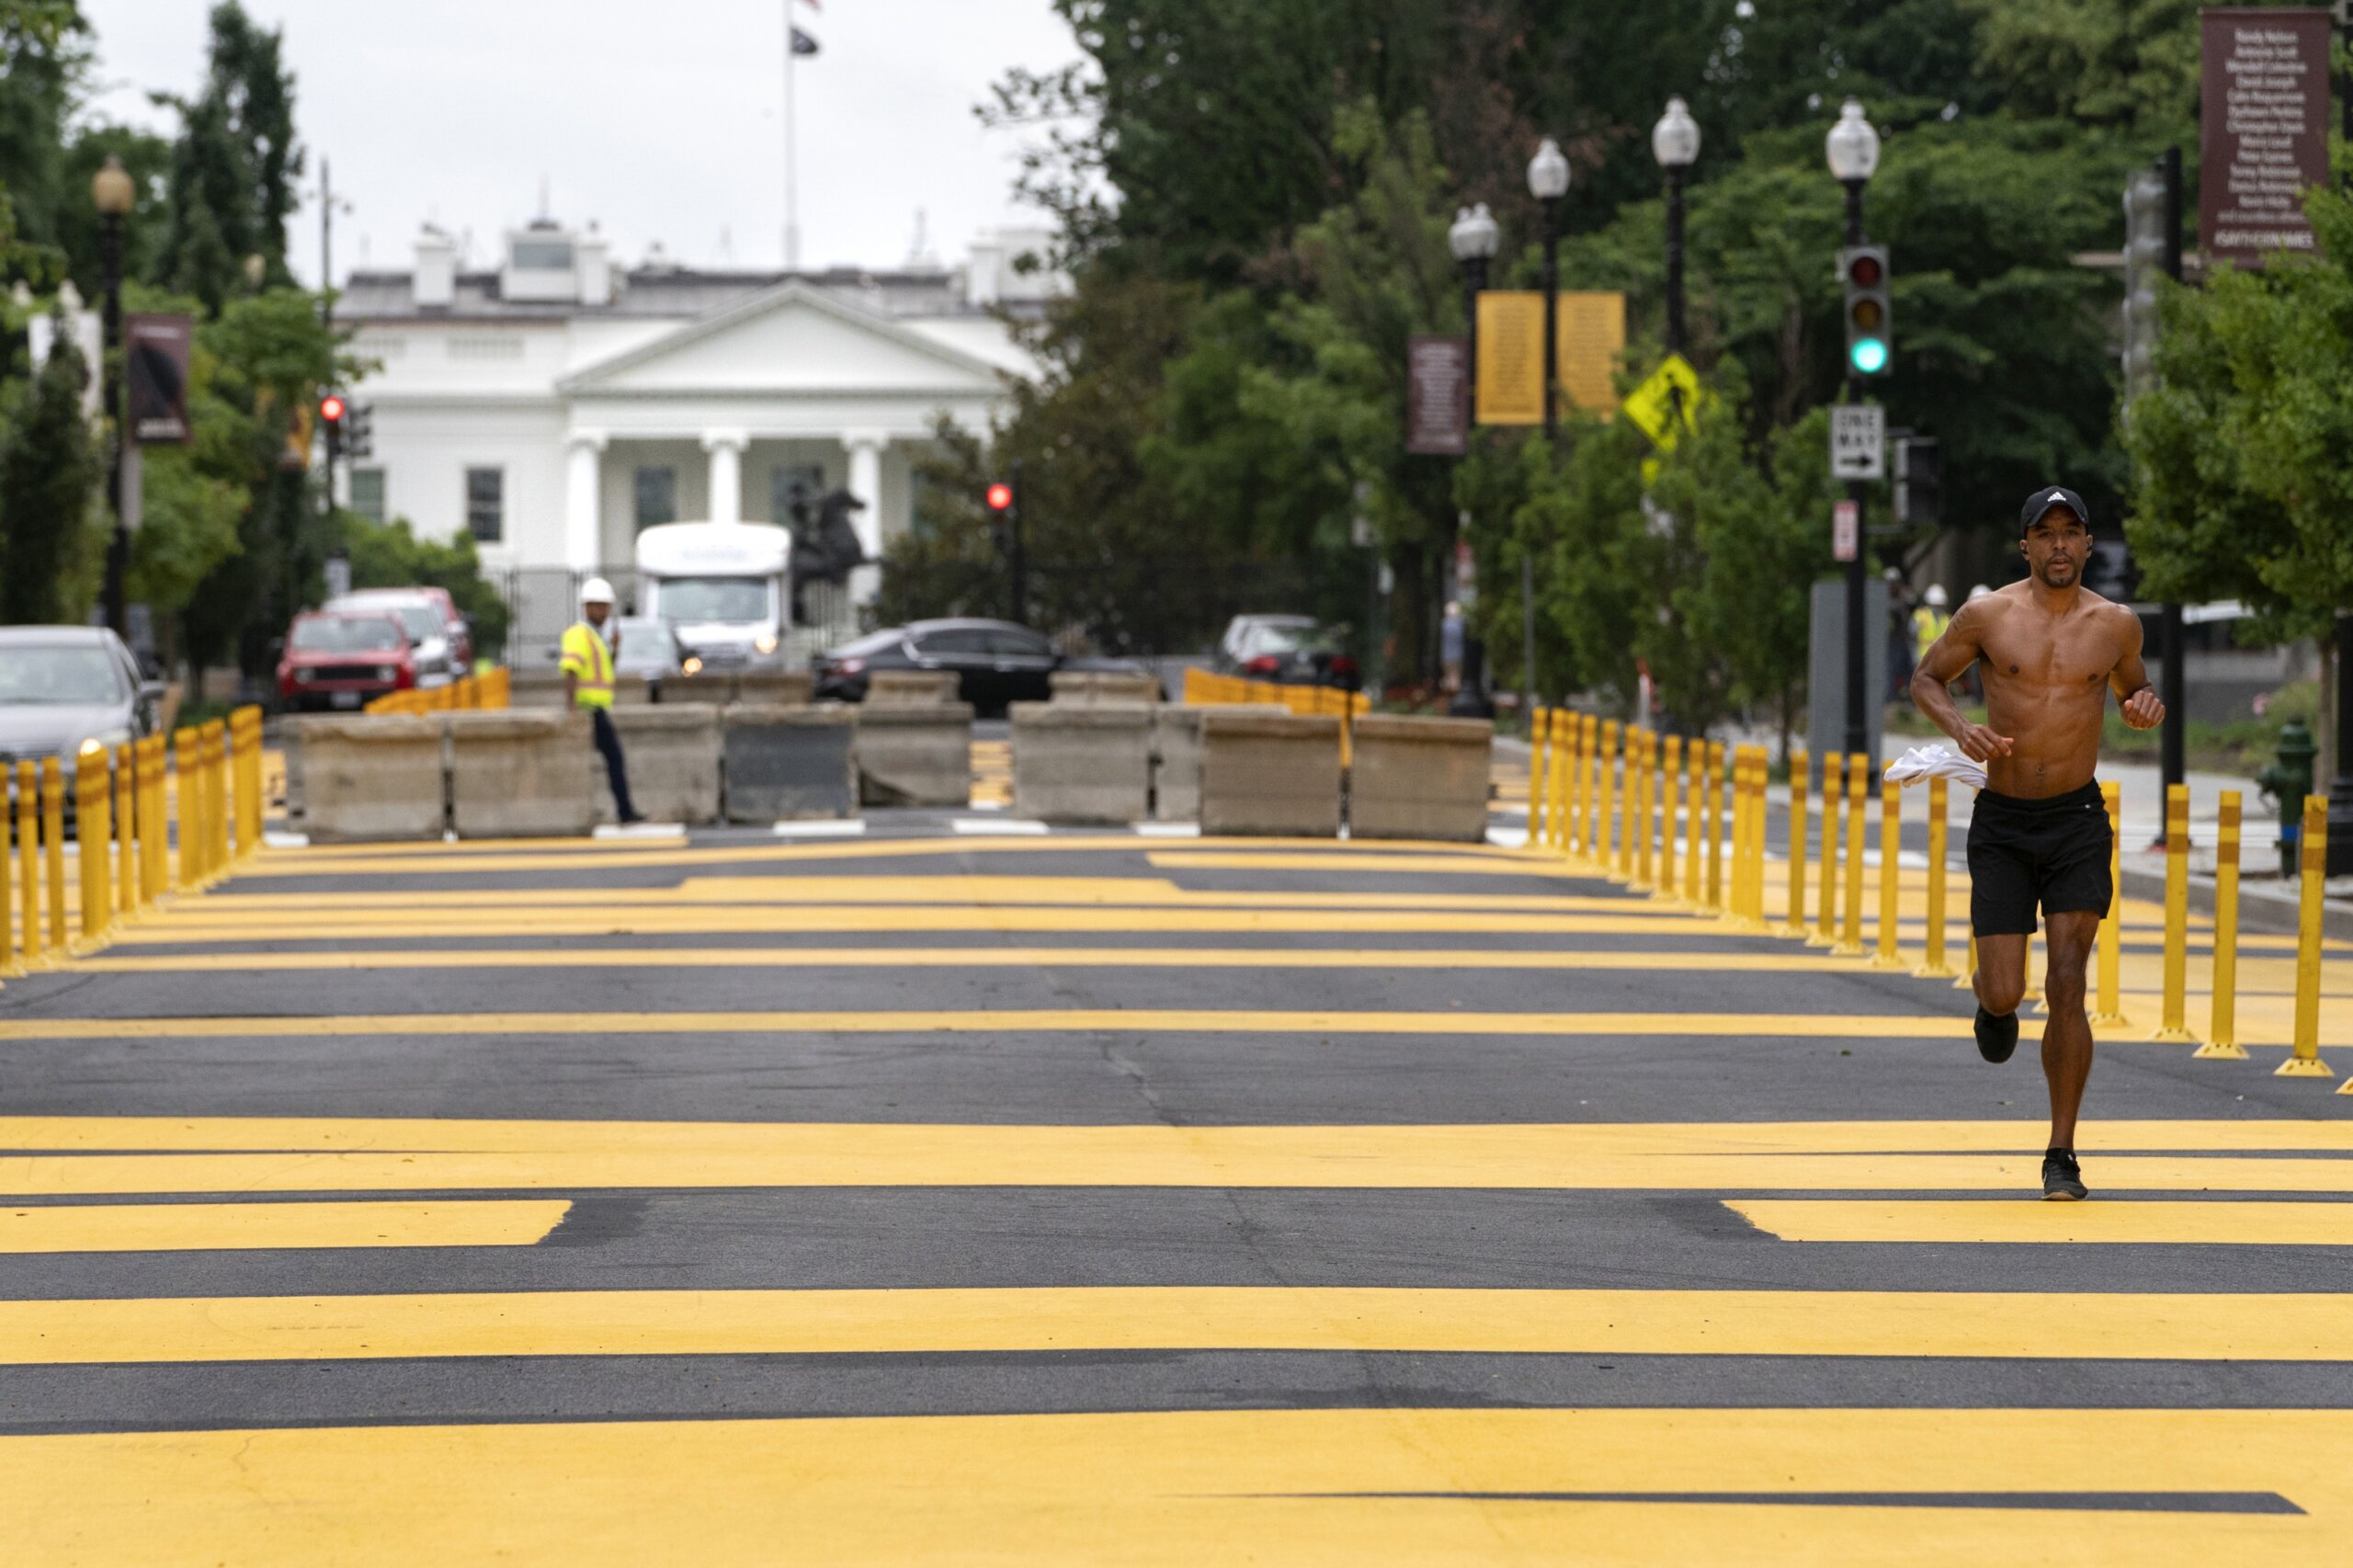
[2063, 1178]
[1997, 1035]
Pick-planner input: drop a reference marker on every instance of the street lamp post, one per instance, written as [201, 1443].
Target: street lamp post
[1852, 151]
[1675, 142]
[112, 192]
[1473, 239]
[1548, 181]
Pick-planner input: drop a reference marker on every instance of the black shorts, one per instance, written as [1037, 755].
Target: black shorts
[2054, 853]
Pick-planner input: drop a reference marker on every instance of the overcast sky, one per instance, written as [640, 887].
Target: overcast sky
[662, 121]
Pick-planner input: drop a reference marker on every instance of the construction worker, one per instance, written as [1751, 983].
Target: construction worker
[588, 684]
[1928, 622]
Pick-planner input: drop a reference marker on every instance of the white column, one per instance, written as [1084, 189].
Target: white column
[583, 513]
[865, 448]
[726, 449]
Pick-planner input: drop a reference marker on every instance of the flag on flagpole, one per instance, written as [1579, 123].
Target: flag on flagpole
[802, 43]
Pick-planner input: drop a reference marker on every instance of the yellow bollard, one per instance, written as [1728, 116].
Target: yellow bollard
[9, 948]
[28, 857]
[1801, 830]
[2312, 860]
[53, 834]
[126, 835]
[2107, 1005]
[1540, 736]
[216, 801]
[1833, 791]
[1589, 846]
[1850, 930]
[2222, 1027]
[1646, 799]
[2171, 1024]
[92, 832]
[1752, 908]
[1670, 765]
[186, 801]
[1712, 808]
[1609, 776]
[1933, 965]
[1891, 875]
[1630, 750]
[1556, 776]
[1695, 761]
[1733, 904]
[154, 833]
[245, 734]
[1579, 748]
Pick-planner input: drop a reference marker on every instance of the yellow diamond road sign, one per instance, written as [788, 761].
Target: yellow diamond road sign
[1652, 405]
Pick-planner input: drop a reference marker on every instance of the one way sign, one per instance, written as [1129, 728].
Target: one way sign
[1857, 441]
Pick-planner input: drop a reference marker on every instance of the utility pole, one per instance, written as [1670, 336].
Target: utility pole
[1020, 553]
[1857, 649]
[2174, 694]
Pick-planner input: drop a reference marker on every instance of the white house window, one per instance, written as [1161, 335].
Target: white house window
[783, 480]
[367, 493]
[486, 505]
[656, 497]
[544, 256]
[480, 348]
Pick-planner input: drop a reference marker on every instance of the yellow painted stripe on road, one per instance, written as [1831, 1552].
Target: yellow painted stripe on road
[1363, 862]
[190, 1227]
[1007, 1020]
[2252, 1223]
[2057, 1325]
[1794, 962]
[1326, 1488]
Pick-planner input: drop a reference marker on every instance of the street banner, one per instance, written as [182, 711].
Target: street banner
[1591, 339]
[1438, 395]
[2263, 135]
[1857, 440]
[1511, 357]
[155, 360]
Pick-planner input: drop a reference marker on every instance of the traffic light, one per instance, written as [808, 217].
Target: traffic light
[1000, 499]
[2144, 263]
[332, 411]
[359, 431]
[1870, 309]
[1919, 480]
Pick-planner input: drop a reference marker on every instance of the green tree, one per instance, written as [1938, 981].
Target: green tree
[50, 475]
[234, 167]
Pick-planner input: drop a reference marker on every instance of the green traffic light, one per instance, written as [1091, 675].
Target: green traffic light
[1868, 355]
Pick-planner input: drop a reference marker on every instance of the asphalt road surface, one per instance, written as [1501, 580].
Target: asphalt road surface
[1092, 1197]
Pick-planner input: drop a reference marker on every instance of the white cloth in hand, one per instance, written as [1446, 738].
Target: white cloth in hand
[1935, 762]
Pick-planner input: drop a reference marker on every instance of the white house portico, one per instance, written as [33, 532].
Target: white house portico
[555, 407]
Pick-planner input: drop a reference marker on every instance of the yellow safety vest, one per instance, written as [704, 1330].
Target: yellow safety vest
[586, 658]
[1928, 623]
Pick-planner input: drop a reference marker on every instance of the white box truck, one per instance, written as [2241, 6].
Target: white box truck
[723, 589]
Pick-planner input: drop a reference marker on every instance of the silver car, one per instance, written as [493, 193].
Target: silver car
[420, 616]
[62, 687]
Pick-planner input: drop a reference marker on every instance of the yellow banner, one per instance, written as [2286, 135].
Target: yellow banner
[1511, 357]
[1591, 335]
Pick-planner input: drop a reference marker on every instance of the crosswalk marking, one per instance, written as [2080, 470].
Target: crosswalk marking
[186, 1227]
[2249, 1224]
[961, 957]
[1175, 1490]
[2063, 1325]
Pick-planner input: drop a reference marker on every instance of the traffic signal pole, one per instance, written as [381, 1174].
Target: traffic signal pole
[2173, 679]
[1858, 649]
[1020, 552]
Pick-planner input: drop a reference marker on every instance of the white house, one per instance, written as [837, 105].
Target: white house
[557, 405]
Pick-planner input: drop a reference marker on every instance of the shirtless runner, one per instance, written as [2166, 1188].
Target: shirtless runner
[2049, 650]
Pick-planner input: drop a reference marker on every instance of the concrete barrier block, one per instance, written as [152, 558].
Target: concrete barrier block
[672, 751]
[1103, 685]
[535, 688]
[923, 689]
[355, 778]
[773, 688]
[790, 763]
[911, 755]
[1082, 762]
[520, 774]
[1176, 757]
[1270, 774]
[1412, 777]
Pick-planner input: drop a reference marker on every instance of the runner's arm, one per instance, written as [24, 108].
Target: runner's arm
[1947, 659]
[2136, 695]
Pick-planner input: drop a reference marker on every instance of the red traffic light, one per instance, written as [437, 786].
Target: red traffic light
[1000, 497]
[1865, 272]
[331, 409]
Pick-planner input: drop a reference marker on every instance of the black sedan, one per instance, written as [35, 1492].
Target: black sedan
[995, 661]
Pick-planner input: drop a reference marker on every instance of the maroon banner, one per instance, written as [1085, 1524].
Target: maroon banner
[154, 364]
[2263, 131]
[1438, 395]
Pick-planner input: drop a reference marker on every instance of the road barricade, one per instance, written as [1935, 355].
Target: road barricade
[536, 688]
[1082, 762]
[1176, 757]
[916, 753]
[773, 688]
[672, 752]
[790, 763]
[1415, 778]
[355, 778]
[1087, 687]
[1270, 774]
[520, 775]
[920, 689]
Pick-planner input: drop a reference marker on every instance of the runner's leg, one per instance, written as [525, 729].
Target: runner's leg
[2000, 979]
[2067, 1038]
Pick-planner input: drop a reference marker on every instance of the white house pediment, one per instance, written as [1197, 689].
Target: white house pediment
[788, 339]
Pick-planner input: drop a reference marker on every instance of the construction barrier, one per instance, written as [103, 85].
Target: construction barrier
[2312, 867]
[2221, 1029]
[1420, 777]
[465, 694]
[1270, 774]
[1932, 963]
[911, 753]
[2171, 1025]
[1851, 933]
[1079, 761]
[2108, 1005]
[520, 775]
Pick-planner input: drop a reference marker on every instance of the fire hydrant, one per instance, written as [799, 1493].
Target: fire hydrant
[2288, 780]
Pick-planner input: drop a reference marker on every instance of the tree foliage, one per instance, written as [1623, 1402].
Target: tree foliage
[50, 474]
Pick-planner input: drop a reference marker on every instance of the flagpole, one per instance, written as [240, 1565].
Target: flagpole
[792, 179]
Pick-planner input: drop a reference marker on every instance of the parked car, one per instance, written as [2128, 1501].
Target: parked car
[995, 661]
[1290, 649]
[62, 687]
[426, 615]
[646, 647]
[342, 659]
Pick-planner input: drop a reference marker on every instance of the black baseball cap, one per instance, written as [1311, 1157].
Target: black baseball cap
[2051, 496]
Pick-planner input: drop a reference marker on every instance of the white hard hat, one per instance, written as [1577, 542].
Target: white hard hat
[596, 591]
[1937, 595]
[1980, 591]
